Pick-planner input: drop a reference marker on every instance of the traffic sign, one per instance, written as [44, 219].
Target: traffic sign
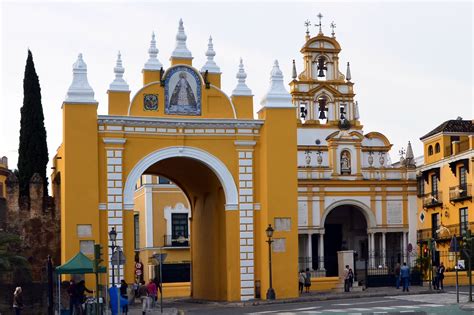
[118, 258]
[160, 257]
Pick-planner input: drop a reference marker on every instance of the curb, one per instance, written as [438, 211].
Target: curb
[467, 306]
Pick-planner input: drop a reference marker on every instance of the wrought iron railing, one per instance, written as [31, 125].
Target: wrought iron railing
[175, 241]
[460, 192]
[433, 199]
[446, 232]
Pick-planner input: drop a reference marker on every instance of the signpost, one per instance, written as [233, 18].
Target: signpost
[454, 248]
[160, 258]
[118, 259]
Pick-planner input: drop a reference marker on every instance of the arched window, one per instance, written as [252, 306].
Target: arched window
[437, 148]
[430, 150]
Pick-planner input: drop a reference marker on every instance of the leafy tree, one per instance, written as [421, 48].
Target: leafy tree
[33, 150]
[10, 259]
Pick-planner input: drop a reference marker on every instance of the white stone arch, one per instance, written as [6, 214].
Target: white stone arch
[366, 211]
[216, 165]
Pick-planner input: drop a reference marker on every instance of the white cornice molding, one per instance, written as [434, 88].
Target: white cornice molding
[178, 123]
[460, 156]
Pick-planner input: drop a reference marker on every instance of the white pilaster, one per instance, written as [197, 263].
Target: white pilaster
[148, 213]
[404, 248]
[310, 250]
[384, 254]
[246, 210]
[372, 249]
[321, 252]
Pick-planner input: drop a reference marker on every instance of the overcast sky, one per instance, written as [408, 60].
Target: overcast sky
[411, 62]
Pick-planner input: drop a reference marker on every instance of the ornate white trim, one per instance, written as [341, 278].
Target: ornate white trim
[368, 214]
[245, 143]
[179, 122]
[219, 168]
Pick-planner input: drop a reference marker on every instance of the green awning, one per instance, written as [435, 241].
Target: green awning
[78, 264]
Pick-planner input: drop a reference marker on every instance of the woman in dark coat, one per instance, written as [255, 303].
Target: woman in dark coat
[18, 300]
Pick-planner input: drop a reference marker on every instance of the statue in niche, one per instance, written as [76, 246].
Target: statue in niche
[345, 163]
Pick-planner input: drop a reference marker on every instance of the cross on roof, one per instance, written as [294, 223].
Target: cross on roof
[307, 23]
[333, 26]
[320, 16]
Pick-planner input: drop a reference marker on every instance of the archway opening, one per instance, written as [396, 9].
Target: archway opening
[345, 229]
[196, 195]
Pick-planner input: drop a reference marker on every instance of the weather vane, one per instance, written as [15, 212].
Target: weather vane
[333, 26]
[320, 16]
[307, 23]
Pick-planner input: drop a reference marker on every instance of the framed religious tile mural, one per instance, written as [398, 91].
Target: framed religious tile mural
[182, 92]
[150, 102]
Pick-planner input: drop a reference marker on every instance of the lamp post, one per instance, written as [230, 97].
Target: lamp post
[269, 231]
[112, 237]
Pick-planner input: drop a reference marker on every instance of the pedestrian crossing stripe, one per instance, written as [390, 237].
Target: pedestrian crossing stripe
[311, 310]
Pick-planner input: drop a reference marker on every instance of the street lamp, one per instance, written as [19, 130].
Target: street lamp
[269, 231]
[112, 237]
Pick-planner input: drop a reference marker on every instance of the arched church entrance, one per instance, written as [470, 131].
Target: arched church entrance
[206, 185]
[345, 229]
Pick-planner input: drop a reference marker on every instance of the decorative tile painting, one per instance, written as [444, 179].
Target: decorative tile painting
[150, 102]
[182, 92]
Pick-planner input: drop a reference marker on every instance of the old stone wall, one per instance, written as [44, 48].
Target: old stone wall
[36, 220]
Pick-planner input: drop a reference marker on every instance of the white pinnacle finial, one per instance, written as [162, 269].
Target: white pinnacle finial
[348, 72]
[409, 158]
[119, 84]
[277, 95]
[241, 89]
[294, 74]
[80, 91]
[210, 64]
[356, 110]
[181, 51]
[153, 63]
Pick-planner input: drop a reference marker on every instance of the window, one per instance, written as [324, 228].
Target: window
[462, 177]
[434, 224]
[430, 150]
[421, 186]
[437, 148]
[136, 226]
[434, 185]
[163, 181]
[463, 221]
[179, 225]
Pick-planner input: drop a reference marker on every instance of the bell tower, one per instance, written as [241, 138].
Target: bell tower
[321, 93]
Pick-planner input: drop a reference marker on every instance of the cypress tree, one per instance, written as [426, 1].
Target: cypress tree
[33, 150]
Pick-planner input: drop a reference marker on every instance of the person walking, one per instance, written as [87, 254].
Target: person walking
[301, 278]
[143, 295]
[80, 296]
[441, 271]
[18, 300]
[397, 276]
[71, 292]
[351, 278]
[307, 280]
[124, 294]
[435, 278]
[405, 275]
[346, 278]
[152, 293]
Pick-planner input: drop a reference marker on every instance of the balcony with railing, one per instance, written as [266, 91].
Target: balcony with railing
[445, 232]
[460, 193]
[433, 199]
[175, 241]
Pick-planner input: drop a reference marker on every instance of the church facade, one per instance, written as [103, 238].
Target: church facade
[350, 195]
[304, 166]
